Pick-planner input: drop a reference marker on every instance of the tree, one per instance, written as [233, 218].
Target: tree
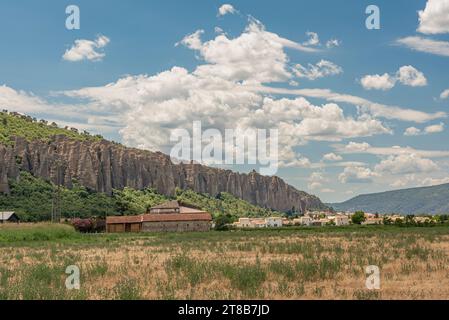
[358, 217]
[222, 222]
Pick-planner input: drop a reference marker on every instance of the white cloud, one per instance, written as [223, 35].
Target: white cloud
[229, 84]
[79, 114]
[256, 55]
[375, 109]
[434, 18]
[434, 181]
[418, 180]
[410, 76]
[407, 75]
[412, 131]
[332, 157]
[193, 41]
[223, 84]
[87, 50]
[366, 148]
[302, 121]
[294, 161]
[425, 45]
[406, 164]
[226, 9]
[316, 180]
[314, 39]
[322, 69]
[444, 94]
[357, 175]
[436, 128]
[378, 82]
[332, 43]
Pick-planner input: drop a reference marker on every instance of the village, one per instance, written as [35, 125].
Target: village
[311, 219]
[174, 216]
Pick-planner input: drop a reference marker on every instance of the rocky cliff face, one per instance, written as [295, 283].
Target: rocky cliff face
[103, 166]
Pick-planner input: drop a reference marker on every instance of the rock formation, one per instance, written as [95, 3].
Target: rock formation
[103, 166]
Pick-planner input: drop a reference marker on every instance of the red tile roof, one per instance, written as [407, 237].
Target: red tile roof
[160, 218]
[124, 219]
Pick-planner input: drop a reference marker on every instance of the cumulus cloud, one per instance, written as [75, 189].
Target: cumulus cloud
[366, 148]
[410, 76]
[406, 164]
[434, 181]
[87, 50]
[332, 43]
[357, 175]
[434, 18]
[407, 75]
[193, 41]
[322, 69]
[421, 44]
[332, 157]
[413, 131]
[317, 180]
[226, 9]
[364, 105]
[256, 55]
[229, 84]
[314, 39]
[378, 82]
[444, 94]
[436, 128]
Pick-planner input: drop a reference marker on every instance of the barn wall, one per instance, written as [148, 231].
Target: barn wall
[116, 228]
[176, 226]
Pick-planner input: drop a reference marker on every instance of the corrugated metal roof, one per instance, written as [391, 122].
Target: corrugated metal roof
[6, 215]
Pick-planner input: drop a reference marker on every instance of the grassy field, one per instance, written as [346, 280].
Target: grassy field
[294, 263]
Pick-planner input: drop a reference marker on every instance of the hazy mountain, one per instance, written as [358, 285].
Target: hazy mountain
[432, 200]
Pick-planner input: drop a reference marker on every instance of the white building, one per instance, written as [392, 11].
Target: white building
[244, 223]
[273, 222]
[341, 220]
[306, 221]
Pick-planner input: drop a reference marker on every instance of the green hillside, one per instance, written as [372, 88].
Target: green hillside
[32, 197]
[33, 129]
[426, 200]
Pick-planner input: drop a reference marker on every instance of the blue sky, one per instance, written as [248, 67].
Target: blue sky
[367, 150]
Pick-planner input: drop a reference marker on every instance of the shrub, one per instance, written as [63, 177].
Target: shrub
[358, 217]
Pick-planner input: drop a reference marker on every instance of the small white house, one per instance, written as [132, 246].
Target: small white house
[273, 222]
[341, 220]
[244, 222]
[305, 221]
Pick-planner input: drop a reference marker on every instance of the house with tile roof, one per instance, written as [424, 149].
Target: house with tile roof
[171, 216]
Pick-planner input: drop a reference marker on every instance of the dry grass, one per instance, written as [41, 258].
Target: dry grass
[290, 264]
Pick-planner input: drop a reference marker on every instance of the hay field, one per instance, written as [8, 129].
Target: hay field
[294, 263]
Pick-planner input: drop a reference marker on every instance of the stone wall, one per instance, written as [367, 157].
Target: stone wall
[176, 226]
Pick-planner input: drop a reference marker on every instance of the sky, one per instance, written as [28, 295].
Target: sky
[358, 110]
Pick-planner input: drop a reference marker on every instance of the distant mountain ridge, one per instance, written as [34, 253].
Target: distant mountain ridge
[423, 200]
[64, 155]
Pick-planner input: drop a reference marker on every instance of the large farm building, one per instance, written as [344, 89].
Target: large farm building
[168, 217]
